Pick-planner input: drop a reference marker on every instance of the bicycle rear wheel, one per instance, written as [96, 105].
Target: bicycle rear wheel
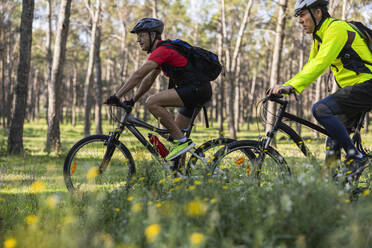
[246, 159]
[84, 169]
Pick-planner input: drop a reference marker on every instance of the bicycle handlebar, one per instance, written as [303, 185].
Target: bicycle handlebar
[128, 108]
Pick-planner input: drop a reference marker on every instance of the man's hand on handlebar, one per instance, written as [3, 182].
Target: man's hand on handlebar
[130, 102]
[278, 90]
[112, 100]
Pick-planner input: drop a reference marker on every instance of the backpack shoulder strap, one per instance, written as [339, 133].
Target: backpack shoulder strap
[175, 46]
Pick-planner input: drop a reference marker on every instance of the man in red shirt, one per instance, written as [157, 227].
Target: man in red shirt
[186, 90]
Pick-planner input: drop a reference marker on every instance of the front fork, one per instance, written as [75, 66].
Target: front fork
[111, 145]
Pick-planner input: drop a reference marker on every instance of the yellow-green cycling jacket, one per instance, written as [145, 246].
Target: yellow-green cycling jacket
[331, 42]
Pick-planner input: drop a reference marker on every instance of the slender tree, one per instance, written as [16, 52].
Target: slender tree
[276, 59]
[54, 86]
[95, 17]
[15, 139]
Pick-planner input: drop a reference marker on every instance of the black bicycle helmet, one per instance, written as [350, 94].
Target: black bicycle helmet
[148, 25]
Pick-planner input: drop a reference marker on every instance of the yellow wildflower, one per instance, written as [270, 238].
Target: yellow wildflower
[214, 200]
[31, 219]
[347, 201]
[196, 238]
[149, 203]
[225, 187]
[162, 181]
[177, 179]
[195, 208]
[130, 198]
[197, 182]
[137, 207]
[141, 178]
[116, 209]
[366, 192]
[52, 201]
[151, 232]
[92, 173]
[158, 204]
[37, 186]
[192, 187]
[68, 220]
[10, 243]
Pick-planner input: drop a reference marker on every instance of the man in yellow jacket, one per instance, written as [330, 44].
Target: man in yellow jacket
[335, 44]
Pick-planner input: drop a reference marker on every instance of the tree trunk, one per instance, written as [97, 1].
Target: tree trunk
[98, 109]
[231, 63]
[49, 56]
[10, 62]
[3, 102]
[274, 76]
[15, 142]
[89, 76]
[74, 97]
[221, 85]
[54, 86]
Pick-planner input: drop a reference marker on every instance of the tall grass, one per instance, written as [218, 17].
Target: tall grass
[162, 211]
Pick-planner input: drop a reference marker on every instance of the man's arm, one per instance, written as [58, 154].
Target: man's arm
[137, 77]
[333, 42]
[146, 84]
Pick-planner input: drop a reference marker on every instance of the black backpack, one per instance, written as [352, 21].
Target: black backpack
[363, 31]
[205, 62]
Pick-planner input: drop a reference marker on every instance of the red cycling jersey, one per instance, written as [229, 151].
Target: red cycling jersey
[163, 54]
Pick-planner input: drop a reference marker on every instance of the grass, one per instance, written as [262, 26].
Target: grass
[160, 211]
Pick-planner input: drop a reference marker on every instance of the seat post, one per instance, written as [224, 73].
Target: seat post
[191, 124]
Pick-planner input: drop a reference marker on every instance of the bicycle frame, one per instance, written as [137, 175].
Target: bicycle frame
[131, 123]
[280, 125]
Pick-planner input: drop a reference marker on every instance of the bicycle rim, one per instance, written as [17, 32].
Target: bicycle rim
[245, 160]
[199, 164]
[83, 170]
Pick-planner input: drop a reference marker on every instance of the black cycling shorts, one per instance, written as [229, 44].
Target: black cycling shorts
[193, 95]
[353, 100]
[356, 98]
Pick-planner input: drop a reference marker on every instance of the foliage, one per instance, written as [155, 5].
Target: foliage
[162, 211]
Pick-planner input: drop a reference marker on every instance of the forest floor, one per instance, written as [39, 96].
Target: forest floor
[310, 210]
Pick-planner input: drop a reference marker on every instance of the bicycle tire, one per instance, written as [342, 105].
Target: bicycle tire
[81, 167]
[246, 159]
[200, 165]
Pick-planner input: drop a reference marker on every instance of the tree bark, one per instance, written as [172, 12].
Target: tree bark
[15, 139]
[54, 86]
[89, 76]
[98, 109]
[231, 63]
[274, 76]
[48, 56]
[74, 96]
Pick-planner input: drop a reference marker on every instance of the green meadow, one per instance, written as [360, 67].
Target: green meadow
[310, 210]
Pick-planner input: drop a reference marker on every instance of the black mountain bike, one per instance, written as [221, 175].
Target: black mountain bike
[261, 161]
[100, 161]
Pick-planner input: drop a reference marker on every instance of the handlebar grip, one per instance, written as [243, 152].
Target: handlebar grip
[128, 108]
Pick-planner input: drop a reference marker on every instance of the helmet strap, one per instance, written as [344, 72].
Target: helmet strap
[317, 25]
[314, 20]
[152, 42]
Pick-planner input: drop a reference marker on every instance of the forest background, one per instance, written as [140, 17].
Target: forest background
[61, 59]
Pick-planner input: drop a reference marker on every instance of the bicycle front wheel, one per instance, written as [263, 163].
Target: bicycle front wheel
[85, 168]
[246, 159]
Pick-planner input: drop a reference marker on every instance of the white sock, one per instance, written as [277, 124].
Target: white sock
[182, 140]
